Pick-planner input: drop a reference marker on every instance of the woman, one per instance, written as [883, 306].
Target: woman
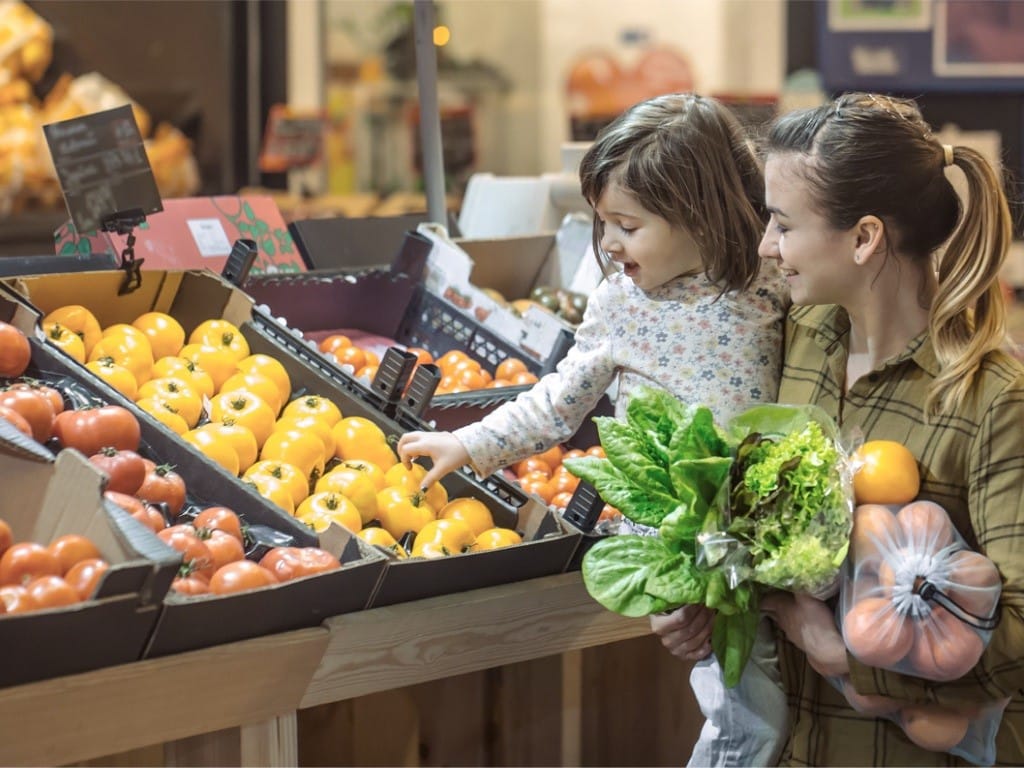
[905, 345]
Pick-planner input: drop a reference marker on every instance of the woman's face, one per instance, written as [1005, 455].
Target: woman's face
[816, 259]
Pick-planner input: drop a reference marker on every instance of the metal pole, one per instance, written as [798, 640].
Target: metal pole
[430, 117]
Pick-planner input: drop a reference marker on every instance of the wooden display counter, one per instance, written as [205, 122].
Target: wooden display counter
[394, 685]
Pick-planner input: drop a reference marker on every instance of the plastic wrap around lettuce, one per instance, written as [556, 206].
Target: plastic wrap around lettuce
[763, 503]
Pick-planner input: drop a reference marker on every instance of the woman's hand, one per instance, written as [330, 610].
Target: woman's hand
[811, 626]
[685, 632]
[443, 448]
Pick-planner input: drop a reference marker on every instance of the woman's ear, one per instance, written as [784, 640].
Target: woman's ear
[870, 234]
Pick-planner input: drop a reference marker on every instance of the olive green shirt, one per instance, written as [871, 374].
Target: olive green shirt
[972, 463]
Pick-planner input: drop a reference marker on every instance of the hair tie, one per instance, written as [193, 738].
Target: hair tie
[947, 153]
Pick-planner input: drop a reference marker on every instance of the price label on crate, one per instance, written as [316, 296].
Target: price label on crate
[102, 167]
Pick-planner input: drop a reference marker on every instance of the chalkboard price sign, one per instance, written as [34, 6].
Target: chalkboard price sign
[103, 169]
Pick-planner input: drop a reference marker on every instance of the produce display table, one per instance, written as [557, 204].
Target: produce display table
[236, 703]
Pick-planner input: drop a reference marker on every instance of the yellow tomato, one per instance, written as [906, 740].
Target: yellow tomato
[270, 367]
[378, 537]
[80, 320]
[117, 376]
[293, 478]
[371, 470]
[216, 361]
[222, 335]
[441, 538]
[177, 393]
[165, 334]
[311, 425]
[411, 479]
[165, 413]
[400, 512]
[257, 384]
[303, 449]
[181, 368]
[239, 437]
[273, 490]
[66, 340]
[472, 512]
[494, 538]
[314, 405]
[356, 486]
[326, 507]
[217, 450]
[129, 350]
[246, 409]
[359, 439]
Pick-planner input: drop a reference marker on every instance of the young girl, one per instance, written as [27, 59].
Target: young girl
[678, 199]
[907, 346]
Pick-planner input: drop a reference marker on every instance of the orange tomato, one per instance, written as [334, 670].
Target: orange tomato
[178, 394]
[552, 457]
[509, 367]
[449, 360]
[925, 523]
[423, 357]
[217, 450]
[313, 405]
[80, 320]
[218, 362]
[221, 334]
[523, 377]
[238, 436]
[560, 500]
[246, 409]
[257, 384]
[876, 633]
[537, 485]
[72, 548]
[472, 512]
[533, 464]
[354, 435]
[933, 727]
[442, 538]
[290, 476]
[301, 449]
[312, 425]
[165, 334]
[353, 356]
[66, 340]
[885, 472]
[400, 511]
[333, 343]
[371, 470]
[326, 507]
[378, 537]
[131, 350]
[270, 367]
[273, 490]
[354, 484]
[495, 538]
[411, 479]
[117, 376]
[165, 413]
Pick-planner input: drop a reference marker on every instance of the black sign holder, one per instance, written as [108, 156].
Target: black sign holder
[124, 223]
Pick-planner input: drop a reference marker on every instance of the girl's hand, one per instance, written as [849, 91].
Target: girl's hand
[443, 448]
[686, 631]
[811, 626]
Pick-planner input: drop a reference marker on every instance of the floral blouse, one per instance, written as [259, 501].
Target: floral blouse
[723, 352]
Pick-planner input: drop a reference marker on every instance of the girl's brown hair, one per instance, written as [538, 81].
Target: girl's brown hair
[871, 154]
[687, 159]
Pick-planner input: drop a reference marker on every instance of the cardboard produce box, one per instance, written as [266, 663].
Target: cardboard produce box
[47, 496]
[192, 297]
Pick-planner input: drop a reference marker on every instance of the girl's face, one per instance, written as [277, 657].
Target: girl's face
[649, 250]
[816, 259]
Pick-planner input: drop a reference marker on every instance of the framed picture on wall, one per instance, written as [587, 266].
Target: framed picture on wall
[879, 15]
[978, 38]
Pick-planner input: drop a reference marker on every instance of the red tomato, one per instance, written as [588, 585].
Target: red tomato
[163, 484]
[72, 548]
[16, 599]
[125, 469]
[191, 585]
[51, 592]
[52, 393]
[15, 351]
[89, 429]
[195, 555]
[16, 419]
[25, 561]
[85, 576]
[147, 514]
[289, 563]
[224, 548]
[240, 576]
[35, 407]
[220, 519]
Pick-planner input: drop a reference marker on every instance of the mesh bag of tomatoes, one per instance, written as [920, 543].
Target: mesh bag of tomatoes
[916, 600]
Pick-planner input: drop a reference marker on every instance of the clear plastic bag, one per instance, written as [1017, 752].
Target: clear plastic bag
[968, 732]
[914, 598]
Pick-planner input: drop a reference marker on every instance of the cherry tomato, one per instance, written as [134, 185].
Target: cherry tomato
[220, 519]
[25, 561]
[71, 549]
[89, 429]
[15, 351]
[125, 469]
[241, 576]
[85, 576]
[162, 484]
[288, 563]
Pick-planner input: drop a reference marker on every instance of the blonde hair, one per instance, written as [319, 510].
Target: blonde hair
[876, 155]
